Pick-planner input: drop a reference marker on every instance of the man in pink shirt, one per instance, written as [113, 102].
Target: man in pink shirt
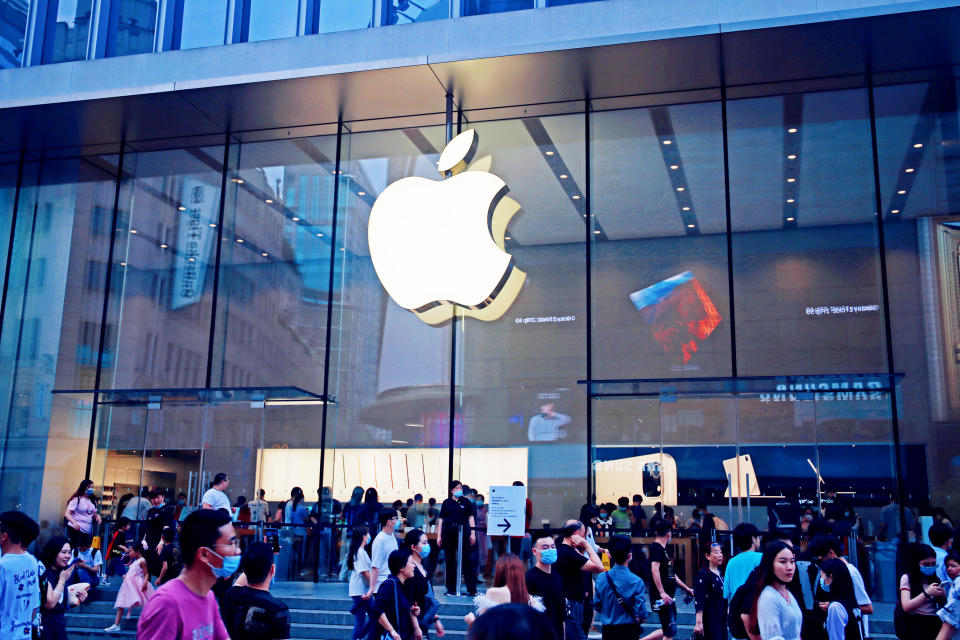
[185, 608]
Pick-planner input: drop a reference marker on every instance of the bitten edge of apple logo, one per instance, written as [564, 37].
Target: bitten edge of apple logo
[455, 158]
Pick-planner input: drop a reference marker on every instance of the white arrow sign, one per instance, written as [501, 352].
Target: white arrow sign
[507, 512]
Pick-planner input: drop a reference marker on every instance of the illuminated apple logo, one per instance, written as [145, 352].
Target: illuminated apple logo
[438, 245]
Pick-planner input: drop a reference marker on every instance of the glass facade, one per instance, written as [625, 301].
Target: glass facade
[749, 301]
[68, 30]
[13, 27]
[132, 27]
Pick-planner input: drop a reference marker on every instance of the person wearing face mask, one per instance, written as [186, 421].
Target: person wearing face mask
[456, 527]
[544, 582]
[841, 622]
[604, 521]
[185, 608]
[920, 594]
[417, 588]
[81, 513]
[482, 551]
[621, 517]
[360, 588]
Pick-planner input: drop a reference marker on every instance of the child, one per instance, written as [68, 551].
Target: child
[19, 575]
[121, 541]
[136, 588]
[87, 560]
[170, 562]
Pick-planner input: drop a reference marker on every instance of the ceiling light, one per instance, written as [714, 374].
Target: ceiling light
[680, 189]
[790, 219]
[908, 170]
[686, 208]
[792, 130]
[134, 231]
[895, 211]
[549, 153]
[123, 264]
[507, 238]
[790, 200]
[182, 208]
[918, 145]
[319, 235]
[342, 249]
[295, 219]
[238, 180]
[902, 192]
[268, 201]
[597, 232]
[668, 142]
[674, 167]
[563, 176]
[791, 179]
[240, 240]
[792, 156]
[213, 226]
[361, 193]
[163, 246]
[191, 259]
[264, 254]
[691, 226]
[576, 197]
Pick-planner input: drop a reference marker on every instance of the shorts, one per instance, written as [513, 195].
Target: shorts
[668, 619]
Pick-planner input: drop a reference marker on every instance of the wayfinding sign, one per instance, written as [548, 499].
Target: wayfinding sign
[507, 512]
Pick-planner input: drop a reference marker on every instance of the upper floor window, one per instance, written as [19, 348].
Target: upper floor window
[13, 25]
[132, 27]
[67, 30]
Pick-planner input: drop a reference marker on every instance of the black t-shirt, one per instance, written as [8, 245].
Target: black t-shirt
[253, 614]
[549, 588]
[158, 518]
[457, 512]
[667, 577]
[568, 566]
[639, 515]
[171, 555]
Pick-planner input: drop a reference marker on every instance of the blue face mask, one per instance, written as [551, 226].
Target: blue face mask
[90, 492]
[548, 556]
[230, 565]
[622, 508]
[458, 493]
[928, 571]
[824, 585]
[425, 550]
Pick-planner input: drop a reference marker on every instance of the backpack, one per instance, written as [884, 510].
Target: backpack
[736, 608]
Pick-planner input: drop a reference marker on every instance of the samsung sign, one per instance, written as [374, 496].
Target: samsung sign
[855, 391]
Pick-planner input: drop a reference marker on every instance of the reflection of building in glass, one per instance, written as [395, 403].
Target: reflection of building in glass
[13, 25]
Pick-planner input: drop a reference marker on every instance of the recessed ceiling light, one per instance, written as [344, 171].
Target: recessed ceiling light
[191, 259]
[918, 145]
[238, 180]
[507, 238]
[691, 226]
[549, 153]
[792, 156]
[576, 197]
[213, 226]
[686, 208]
[264, 254]
[668, 142]
[240, 240]
[295, 218]
[342, 249]
[901, 192]
[895, 211]
[319, 235]
[597, 232]
[790, 200]
[268, 201]
[791, 179]
[680, 189]
[361, 193]
[163, 246]
[182, 208]
[133, 231]
[564, 176]
[792, 130]
[123, 264]
[790, 219]
[674, 167]
[908, 170]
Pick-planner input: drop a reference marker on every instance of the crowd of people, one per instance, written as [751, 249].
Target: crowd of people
[203, 573]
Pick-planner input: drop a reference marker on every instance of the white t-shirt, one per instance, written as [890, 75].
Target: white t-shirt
[136, 508]
[258, 511]
[358, 586]
[19, 594]
[383, 545]
[859, 588]
[216, 499]
[90, 557]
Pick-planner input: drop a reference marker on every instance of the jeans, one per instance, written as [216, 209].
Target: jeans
[573, 622]
[359, 611]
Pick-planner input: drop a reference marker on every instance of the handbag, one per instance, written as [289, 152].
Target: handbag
[622, 602]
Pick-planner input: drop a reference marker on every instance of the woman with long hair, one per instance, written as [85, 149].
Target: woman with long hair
[369, 512]
[418, 589]
[56, 558]
[775, 613]
[349, 516]
[81, 513]
[837, 584]
[509, 586]
[360, 590]
[920, 595]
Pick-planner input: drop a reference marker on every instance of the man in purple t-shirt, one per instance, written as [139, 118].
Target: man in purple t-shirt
[185, 608]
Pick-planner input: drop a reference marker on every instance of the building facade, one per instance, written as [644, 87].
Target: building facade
[739, 224]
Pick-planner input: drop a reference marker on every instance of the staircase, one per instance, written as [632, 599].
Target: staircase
[322, 612]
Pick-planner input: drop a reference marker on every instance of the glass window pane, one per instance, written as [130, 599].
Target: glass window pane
[273, 19]
[202, 23]
[480, 7]
[69, 32]
[133, 28]
[13, 26]
[407, 11]
[344, 15]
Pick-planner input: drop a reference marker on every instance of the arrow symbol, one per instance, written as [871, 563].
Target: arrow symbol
[505, 525]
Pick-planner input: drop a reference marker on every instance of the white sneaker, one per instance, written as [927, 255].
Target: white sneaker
[112, 628]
